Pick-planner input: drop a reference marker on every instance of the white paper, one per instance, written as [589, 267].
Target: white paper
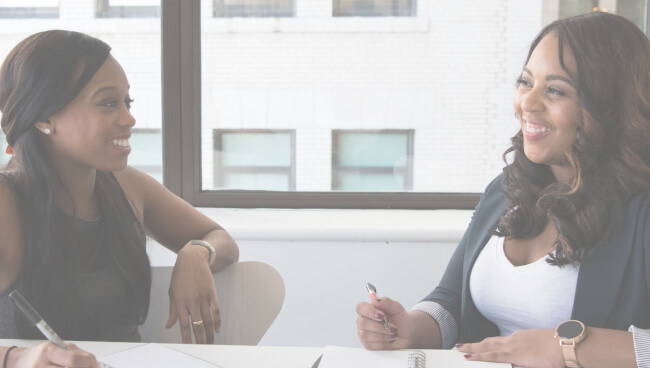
[342, 357]
[153, 355]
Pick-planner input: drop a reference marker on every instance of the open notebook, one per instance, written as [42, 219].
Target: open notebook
[154, 355]
[343, 357]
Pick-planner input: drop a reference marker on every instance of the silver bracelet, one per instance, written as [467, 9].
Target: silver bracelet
[208, 246]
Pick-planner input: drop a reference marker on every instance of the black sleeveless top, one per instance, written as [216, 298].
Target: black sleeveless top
[98, 282]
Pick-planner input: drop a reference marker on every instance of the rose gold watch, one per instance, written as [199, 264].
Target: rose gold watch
[569, 334]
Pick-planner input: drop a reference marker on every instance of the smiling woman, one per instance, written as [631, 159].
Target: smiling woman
[553, 268]
[75, 214]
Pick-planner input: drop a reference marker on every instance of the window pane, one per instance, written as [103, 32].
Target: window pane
[634, 10]
[135, 45]
[376, 8]
[29, 9]
[254, 159]
[146, 151]
[372, 160]
[252, 8]
[372, 149]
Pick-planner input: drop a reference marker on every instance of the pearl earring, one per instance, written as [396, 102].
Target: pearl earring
[47, 131]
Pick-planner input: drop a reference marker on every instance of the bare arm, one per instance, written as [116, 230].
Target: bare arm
[172, 222]
[602, 348]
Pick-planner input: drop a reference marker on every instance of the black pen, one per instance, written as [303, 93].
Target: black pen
[34, 318]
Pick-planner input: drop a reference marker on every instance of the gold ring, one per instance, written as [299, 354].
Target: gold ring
[198, 323]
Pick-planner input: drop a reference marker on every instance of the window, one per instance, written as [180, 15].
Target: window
[145, 155]
[372, 160]
[29, 9]
[128, 9]
[446, 88]
[254, 159]
[634, 10]
[252, 8]
[374, 8]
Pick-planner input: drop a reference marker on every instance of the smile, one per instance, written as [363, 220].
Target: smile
[122, 143]
[531, 128]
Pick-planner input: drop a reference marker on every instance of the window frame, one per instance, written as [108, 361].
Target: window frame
[337, 13]
[338, 170]
[289, 171]
[25, 12]
[216, 6]
[181, 93]
[105, 10]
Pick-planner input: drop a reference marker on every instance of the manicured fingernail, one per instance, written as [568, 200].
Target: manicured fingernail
[467, 356]
[458, 346]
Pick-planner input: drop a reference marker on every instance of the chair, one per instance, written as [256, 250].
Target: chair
[250, 296]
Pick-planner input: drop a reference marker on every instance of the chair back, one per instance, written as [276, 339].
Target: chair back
[250, 295]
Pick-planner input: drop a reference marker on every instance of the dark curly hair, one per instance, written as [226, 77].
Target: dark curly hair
[610, 158]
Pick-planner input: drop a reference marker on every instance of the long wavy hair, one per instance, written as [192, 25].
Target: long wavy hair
[39, 77]
[610, 158]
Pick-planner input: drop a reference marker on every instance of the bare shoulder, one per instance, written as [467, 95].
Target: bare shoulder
[140, 188]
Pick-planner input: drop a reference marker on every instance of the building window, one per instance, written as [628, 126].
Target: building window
[145, 154]
[29, 9]
[374, 8]
[128, 9]
[634, 10]
[379, 160]
[254, 159]
[252, 8]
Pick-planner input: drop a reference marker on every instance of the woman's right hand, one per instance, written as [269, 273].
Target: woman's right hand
[371, 330]
[50, 355]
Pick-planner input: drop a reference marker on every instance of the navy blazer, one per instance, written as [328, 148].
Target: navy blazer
[613, 281]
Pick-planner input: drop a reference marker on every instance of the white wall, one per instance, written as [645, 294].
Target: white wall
[326, 257]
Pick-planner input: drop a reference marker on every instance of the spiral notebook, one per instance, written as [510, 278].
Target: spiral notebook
[342, 357]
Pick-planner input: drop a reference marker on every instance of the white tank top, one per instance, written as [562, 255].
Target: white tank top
[536, 295]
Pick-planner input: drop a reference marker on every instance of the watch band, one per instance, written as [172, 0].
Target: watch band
[569, 352]
[213, 253]
[573, 332]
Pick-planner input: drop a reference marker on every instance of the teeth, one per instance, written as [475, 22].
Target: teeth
[121, 142]
[530, 129]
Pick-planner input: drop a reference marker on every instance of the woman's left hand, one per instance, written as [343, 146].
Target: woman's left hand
[193, 297]
[522, 348]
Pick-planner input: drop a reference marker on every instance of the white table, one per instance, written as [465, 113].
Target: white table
[238, 356]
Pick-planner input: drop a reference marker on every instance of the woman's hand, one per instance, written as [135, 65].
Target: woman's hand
[371, 330]
[50, 355]
[193, 297]
[523, 348]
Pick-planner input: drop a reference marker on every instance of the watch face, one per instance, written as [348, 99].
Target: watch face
[570, 329]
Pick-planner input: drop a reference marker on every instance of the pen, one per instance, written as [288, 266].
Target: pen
[372, 291]
[34, 318]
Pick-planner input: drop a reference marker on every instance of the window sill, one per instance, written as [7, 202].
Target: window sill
[316, 25]
[342, 225]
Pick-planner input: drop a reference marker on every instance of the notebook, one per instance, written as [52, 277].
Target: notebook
[154, 355]
[342, 357]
